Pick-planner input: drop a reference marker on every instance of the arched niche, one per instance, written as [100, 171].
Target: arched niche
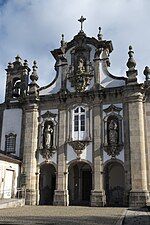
[112, 132]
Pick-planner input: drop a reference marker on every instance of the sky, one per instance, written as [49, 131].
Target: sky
[32, 28]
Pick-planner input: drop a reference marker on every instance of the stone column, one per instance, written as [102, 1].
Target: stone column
[29, 155]
[138, 194]
[97, 194]
[61, 194]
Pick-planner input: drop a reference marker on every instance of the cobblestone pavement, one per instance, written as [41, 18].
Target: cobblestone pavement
[55, 215]
[137, 217]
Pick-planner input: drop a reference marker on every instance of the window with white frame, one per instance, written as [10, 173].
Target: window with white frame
[79, 123]
[10, 143]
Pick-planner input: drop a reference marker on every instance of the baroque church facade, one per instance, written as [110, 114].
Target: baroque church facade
[83, 139]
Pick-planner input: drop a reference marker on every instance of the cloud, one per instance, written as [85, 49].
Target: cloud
[33, 28]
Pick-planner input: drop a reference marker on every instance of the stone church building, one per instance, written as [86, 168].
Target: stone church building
[84, 138]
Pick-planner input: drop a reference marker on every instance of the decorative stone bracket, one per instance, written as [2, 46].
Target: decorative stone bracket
[47, 153]
[113, 150]
[78, 146]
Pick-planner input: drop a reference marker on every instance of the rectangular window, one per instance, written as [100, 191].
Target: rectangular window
[76, 123]
[79, 123]
[82, 122]
[10, 143]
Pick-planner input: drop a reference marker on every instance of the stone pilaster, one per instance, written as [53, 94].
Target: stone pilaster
[147, 123]
[61, 194]
[147, 136]
[96, 69]
[97, 194]
[64, 67]
[37, 184]
[29, 155]
[138, 194]
[127, 163]
[1, 122]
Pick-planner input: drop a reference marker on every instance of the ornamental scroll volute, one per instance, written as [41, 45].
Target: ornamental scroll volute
[81, 70]
[48, 134]
[113, 143]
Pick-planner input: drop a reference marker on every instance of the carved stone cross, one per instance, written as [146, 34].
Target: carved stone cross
[81, 20]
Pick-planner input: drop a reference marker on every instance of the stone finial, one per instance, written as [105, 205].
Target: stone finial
[131, 61]
[10, 66]
[18, 59]
[81, 20]
[34, 77]
[25, 63]
[132, 72]
[62, 40]
[26, 68]
[147, 73]
[33, 86]
[100, 36]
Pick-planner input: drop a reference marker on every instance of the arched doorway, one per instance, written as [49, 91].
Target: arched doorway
[47, 184]
[80, 183]
[114, 179]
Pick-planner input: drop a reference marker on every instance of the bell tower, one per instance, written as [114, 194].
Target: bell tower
[17, 79]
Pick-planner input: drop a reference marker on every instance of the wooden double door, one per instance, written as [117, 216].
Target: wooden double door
[80, 183]
[114, 183]
[47, 184]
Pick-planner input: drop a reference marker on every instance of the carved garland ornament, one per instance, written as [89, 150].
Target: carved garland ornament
[78, 146]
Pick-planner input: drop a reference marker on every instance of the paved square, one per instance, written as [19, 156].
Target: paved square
[55, 215]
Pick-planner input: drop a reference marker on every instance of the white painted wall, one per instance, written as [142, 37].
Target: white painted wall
[53, 88]
[12, 120]
[4, 167]
[106, 78]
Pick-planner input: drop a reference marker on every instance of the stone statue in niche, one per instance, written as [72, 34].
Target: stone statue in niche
[81, 67]
[48, 134]
[113, 133]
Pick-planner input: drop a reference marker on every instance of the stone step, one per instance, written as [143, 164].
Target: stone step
[11, 203]
[139, 216]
